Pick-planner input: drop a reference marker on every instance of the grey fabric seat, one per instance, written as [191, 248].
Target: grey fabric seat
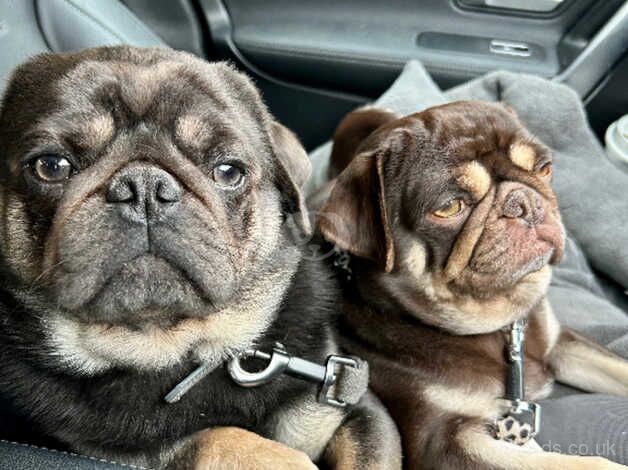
[29, 27]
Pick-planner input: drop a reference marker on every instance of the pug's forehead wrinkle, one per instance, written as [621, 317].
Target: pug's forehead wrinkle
[78, 84]
[139, 87]
[192, 130]
[91, 86]
[468, 237]
[97, 131]
[474, 178]
[522, 155]
[135, 85]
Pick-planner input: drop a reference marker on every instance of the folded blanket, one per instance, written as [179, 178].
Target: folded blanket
[594, 205]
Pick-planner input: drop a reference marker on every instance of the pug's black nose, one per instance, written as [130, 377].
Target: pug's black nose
[524, 203]
[143, 192]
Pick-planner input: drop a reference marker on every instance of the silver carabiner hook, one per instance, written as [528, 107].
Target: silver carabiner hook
[278, 362]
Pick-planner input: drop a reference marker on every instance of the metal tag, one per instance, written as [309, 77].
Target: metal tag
[520, 424]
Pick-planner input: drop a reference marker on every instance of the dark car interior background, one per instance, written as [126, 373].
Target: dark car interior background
[316, 60]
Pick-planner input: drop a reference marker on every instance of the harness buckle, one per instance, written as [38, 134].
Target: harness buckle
[331, 378]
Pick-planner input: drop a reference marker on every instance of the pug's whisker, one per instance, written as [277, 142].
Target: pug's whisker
[46, 272]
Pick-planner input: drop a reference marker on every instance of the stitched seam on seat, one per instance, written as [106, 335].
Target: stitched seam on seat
[95, 20]
[316, 53]
[360, 60]
[357, 58]
[72, 454]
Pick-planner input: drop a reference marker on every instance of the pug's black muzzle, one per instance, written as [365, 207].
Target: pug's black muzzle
[144, 247]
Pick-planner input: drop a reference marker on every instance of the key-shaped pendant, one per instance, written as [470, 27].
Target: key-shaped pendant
[521, 422]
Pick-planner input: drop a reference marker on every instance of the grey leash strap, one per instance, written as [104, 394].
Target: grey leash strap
[342, 380]
[522, 420]
[190, 381]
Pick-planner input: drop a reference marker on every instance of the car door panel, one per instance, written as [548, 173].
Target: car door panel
[316, 60]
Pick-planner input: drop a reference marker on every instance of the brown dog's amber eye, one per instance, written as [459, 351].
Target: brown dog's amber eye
[451, 209]
[227, 175]
[545, 170]
[52, 168]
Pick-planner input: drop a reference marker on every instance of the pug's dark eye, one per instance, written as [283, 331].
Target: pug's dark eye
[227, 175]
[51, 168]
[450, 209]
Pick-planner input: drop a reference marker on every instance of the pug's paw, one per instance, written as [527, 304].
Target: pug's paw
[238, 449]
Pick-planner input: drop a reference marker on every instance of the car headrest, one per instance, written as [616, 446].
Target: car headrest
[31, 27]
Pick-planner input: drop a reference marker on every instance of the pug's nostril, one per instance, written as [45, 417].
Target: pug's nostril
[524, 204]
[514, 209]
[168, 192]
[122, 190]
[516, 204]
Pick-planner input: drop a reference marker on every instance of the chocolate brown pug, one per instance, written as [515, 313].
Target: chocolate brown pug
[452, 226]
[148, 202]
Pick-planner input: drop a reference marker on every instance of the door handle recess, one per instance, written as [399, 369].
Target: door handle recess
[519, 49]
[537, 6]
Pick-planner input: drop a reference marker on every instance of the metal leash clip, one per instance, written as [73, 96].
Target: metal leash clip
[522, 419]
[280, 362]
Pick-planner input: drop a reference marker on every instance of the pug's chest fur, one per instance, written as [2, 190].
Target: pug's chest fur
[476, 374]
[421, 368]
[122, 412]
[127, 411]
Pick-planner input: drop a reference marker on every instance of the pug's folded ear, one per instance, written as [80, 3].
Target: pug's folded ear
[352, 132]
[355, 217]
[293, 170]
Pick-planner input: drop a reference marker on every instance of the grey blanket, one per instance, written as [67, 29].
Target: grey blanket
[593, 196]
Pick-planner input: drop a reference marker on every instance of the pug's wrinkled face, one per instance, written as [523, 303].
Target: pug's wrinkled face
[461, 215]
[143, 186]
